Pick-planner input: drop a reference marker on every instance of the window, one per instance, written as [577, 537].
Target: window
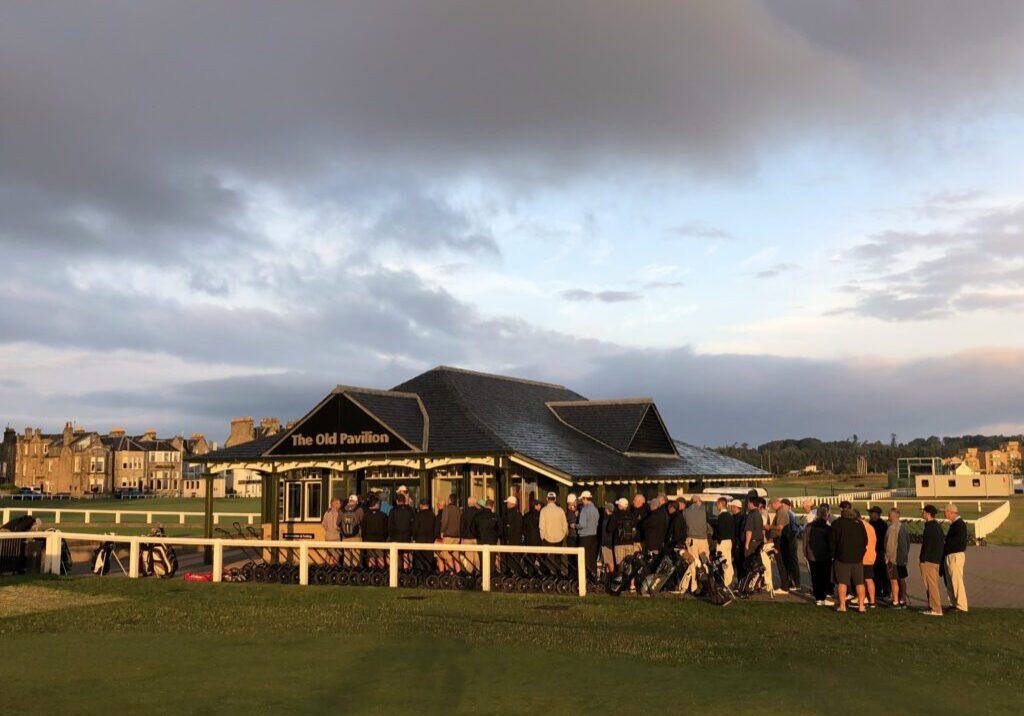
[924, 483]
[952, 482]
[975, 482]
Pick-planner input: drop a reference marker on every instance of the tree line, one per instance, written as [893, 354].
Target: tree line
[840, 456]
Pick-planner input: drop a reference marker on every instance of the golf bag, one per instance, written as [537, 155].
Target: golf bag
[102, 558]
[754, 579]
[625, 575]
[158, 559]
[715, 589]
[665, 568]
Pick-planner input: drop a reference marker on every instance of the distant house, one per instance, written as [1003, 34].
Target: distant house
[959, 485]
[810, 470]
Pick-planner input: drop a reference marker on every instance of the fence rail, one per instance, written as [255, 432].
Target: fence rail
[52, 553]
[59, 512]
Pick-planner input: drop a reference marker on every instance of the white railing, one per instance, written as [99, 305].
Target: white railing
[983, 526]
[51, 557]
[179, 515]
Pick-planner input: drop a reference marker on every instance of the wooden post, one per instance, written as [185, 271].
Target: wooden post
[486, 566]
[133, 559]
[393, 567]
[207, 519]
[581, 571]
[304, 565]
[218, 561]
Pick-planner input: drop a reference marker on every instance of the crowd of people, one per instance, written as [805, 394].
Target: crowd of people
[851, 560]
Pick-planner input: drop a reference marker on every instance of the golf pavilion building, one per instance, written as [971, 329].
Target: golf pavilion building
[453, 431]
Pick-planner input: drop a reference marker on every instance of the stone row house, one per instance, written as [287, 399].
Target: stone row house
[77, 462]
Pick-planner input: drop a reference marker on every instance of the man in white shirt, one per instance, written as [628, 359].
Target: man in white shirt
[553, 524]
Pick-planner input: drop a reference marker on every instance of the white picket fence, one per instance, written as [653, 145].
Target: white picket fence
[51, 557]
[180, 516]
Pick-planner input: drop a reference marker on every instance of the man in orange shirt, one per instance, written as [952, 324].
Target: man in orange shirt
[869, 560]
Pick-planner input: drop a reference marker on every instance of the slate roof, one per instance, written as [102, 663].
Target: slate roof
[473, 412]
[612, 423]
[399, 412]
[710, 462]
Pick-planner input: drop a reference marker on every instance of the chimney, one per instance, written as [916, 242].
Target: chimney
[69, 433]
[150, 434]
[241, 432]
[197, 436]
[117, 432]
[270, 426]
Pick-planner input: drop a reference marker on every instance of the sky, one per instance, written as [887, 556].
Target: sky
[778, 219]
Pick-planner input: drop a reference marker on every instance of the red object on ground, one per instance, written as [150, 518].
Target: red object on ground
[198, 577]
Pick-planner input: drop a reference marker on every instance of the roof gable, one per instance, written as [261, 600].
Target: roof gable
[340, 424]
[610, 422]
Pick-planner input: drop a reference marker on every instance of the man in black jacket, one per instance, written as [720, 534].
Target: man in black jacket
[487, 527]
[879, 575]
[931, 557]
[423, 532]
[400, 521]
[675, 536]
[850, 542]
[622, 527]
[954, 554]
[468, 535]
[513, 527]
[655, 529]
[375, 529]
[640, 511]
[724, 530]
[531, 525]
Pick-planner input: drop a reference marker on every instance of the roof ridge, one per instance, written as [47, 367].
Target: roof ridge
[340, 388]
[609, 401]
[497, 376]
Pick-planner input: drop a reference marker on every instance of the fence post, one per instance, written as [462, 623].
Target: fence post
[149, 518]
[486, 566]
[979, 506]
[216, 518]
[393, 567]
[581, 570]
[117, 518]
[7, 516]
[133, 557]
[181, 518]
[51, 557]
[218, 561]
[88, 515]
[56, 516]
[304, 564]
[250, 518]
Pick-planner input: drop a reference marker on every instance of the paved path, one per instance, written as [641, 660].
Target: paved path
[994, 577]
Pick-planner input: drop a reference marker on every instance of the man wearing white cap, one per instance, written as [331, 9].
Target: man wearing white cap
[513, 522]
[572, 516]
[553, 524]
[586, 529]
[622, 526]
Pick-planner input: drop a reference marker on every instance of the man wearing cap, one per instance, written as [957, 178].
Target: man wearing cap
[954, 555]
[725, 528]
[622, 526]
[931, 558]
[513, 523]
[607, 538]
[586, 530]
[553, 524]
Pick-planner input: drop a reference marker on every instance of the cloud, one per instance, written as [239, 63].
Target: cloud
[653, 285]
[580, 294]
[927, 275]
[700, 231]
[710, 399]
[776, 270]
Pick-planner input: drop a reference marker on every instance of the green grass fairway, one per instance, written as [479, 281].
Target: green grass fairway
[156, 504]
[151, 647]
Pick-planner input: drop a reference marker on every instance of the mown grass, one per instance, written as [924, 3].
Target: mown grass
[174, 647]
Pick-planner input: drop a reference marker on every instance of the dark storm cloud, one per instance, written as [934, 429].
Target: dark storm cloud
[156, 119]
[936, 274]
